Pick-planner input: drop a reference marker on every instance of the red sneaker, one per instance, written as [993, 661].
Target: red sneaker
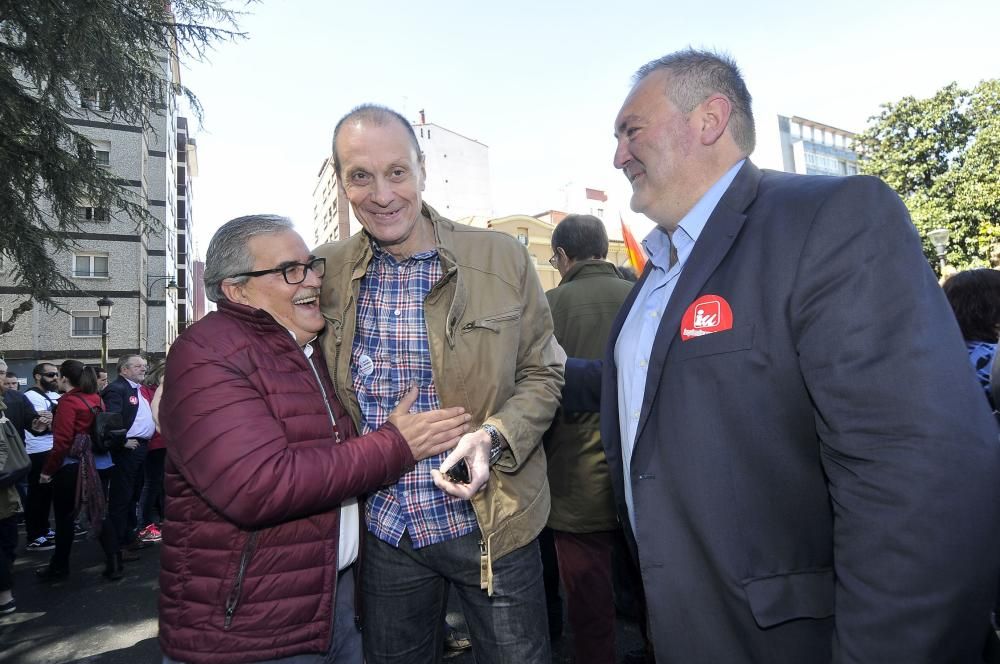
[150, 533]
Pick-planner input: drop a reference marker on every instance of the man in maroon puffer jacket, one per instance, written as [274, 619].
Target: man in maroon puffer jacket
[264, 467]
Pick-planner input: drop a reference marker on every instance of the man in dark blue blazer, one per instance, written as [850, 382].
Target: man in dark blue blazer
[798, 448]
[123, 396]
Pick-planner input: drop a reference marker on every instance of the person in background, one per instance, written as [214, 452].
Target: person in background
[10, 506]
[43, 396]
[10, 383]
[151, 500]
[974, 296]
[583, 519]
[102, 377]
[72, 461]
[123, 396]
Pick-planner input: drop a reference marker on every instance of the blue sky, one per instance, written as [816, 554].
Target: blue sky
[540, 84]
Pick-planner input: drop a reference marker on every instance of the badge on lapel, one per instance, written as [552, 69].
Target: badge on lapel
[706, 315]
[134, 400]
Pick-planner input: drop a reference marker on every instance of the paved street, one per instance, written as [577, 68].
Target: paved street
[86, 619]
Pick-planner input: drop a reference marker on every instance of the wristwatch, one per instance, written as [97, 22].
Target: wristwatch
[497, 442]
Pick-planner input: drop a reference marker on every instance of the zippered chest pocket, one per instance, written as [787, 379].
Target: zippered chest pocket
[494, 322]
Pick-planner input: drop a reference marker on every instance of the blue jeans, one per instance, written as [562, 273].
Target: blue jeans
[405, 598]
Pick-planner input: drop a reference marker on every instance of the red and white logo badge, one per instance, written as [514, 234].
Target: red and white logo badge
[707, 314]
[134, 400]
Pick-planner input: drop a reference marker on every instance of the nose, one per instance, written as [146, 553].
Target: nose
[312, 279]
[622, 154]
[382, 194]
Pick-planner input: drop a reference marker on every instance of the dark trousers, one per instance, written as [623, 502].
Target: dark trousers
[152, 491]
[36, 513]
[122, 500]
[64, 511]
[585, 572]
[405, 598]
[8, 551]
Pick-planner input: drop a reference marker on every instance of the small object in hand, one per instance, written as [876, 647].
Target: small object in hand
[459, 472]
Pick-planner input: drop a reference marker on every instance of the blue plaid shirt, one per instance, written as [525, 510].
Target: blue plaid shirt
[390, 352]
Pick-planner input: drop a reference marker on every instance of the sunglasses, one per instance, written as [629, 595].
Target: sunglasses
[50, 374]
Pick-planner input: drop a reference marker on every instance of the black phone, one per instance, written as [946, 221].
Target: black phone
[459, 472]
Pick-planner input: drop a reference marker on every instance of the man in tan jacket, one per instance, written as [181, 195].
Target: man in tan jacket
[458, 311]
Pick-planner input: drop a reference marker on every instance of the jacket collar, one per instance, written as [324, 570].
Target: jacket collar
[591, 267]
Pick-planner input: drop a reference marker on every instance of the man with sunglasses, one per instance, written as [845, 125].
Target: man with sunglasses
[43, 396]
[264, 466]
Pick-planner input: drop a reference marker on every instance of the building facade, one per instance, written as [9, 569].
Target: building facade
[813, 148]
[145, 270]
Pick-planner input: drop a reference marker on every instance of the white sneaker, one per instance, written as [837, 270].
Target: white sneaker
[41, 544]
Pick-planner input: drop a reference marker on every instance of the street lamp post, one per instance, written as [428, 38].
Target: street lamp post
[104, 306]
[939, 239]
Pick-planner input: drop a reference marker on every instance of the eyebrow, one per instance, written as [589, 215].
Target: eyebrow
[624, 123]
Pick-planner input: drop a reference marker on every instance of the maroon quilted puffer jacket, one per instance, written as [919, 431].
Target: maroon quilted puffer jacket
[254, 482]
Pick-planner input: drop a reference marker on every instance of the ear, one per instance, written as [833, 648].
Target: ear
[234, 291]
[715, 113]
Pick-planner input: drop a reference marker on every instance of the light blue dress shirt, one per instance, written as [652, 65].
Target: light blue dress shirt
[635, 342]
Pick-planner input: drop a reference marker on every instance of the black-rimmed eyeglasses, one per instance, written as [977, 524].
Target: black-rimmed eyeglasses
[294, 273]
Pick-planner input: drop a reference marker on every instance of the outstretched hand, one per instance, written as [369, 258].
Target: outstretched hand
[429, 433]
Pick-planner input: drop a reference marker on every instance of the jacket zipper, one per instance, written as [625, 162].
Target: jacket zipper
[233, 601]
[326, 400]
[490, 323]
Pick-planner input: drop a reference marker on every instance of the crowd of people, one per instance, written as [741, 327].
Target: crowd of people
[774, 440]
[72, 489]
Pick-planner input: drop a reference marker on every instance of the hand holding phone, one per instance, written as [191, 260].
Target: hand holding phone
[459, 472]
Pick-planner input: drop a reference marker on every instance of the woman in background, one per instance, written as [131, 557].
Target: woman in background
[71, 463]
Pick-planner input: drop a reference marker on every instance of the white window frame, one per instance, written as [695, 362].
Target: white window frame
[92, 255]
[102, 152]
[87, 212]
[73, 315]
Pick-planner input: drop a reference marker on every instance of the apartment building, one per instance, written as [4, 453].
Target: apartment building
[146, 270]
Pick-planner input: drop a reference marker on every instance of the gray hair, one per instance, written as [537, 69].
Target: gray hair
[378, 116]
[124, 360]
[695, 75]
[227, 253]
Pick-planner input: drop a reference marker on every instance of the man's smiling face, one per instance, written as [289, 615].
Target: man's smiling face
[383, 176]
[655, 140]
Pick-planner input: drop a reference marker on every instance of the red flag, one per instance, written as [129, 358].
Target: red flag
[636, 256]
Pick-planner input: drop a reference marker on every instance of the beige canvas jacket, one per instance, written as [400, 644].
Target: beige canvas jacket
[492, 352]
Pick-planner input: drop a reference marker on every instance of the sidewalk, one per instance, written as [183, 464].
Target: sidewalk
[87, 619]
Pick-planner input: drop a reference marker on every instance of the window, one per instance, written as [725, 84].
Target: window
[90, 266]
[95, 99]
[89, 213]
[86, 324]
[102, 152]
[522, 236]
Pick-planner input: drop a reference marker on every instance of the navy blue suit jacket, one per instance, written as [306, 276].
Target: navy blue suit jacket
[818, 483]
[116, 400]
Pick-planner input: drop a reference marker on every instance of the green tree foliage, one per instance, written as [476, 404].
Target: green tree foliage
[52, 54]
[942, 155]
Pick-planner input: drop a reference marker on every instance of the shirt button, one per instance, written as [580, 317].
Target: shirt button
[635, 414]
[397, 312]
[642, 363]
[652, 314]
